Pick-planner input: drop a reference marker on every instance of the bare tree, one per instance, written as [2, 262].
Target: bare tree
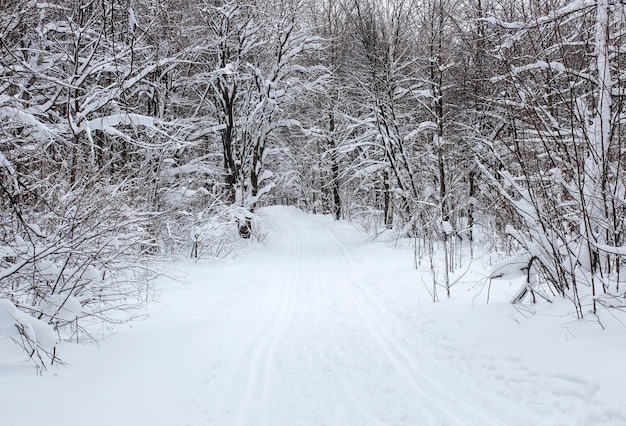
[565, 137]
[75, 147]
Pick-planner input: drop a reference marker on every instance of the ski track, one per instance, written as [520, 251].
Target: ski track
[261, 366]
[453, 405]
[318, 345]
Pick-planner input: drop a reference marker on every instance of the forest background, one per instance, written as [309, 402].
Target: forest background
[135, 129]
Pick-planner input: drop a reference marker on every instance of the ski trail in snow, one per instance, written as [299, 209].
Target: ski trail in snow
[261, 366]
[453, 405]
[313, 346]
[313, 327]
[319, 304]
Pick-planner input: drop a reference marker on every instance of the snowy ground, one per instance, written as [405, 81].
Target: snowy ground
[319, 327]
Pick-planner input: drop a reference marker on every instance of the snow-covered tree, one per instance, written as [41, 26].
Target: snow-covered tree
[256, 73]
[565, 136]
[76, 145]
[383, 74]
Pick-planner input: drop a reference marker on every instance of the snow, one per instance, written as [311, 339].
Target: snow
[62, 306]
[59, 27]
[39, 129]
[34, 329]
[570, 8]
[132, 20]
[4, 163]
[423, 127]
[47, 269]
[36, 229]
[317, 325]
[510, 268]
[447, 227]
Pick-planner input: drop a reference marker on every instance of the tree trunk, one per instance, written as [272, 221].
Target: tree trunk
[334, 168]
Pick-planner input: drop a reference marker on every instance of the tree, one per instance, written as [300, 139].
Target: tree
[255, 77]
[565, 136]
[74, 148]
[384, 72]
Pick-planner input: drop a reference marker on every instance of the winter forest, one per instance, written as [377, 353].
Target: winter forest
[133, 130]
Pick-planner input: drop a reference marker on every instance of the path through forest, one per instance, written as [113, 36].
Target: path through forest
[315, 326]
[314, 346]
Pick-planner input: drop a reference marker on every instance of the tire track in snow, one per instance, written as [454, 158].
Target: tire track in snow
[260, 370]
[455, 407]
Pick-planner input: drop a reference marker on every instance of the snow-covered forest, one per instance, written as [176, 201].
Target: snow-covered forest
[136, 130]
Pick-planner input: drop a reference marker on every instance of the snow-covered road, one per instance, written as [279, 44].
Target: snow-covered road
[314, 327]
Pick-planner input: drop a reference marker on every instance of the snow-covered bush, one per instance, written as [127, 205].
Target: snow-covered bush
[72, 265]
[563, 174]
[209, 232]
[35, 336]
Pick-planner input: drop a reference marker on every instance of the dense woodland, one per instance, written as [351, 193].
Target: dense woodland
[131, 129]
